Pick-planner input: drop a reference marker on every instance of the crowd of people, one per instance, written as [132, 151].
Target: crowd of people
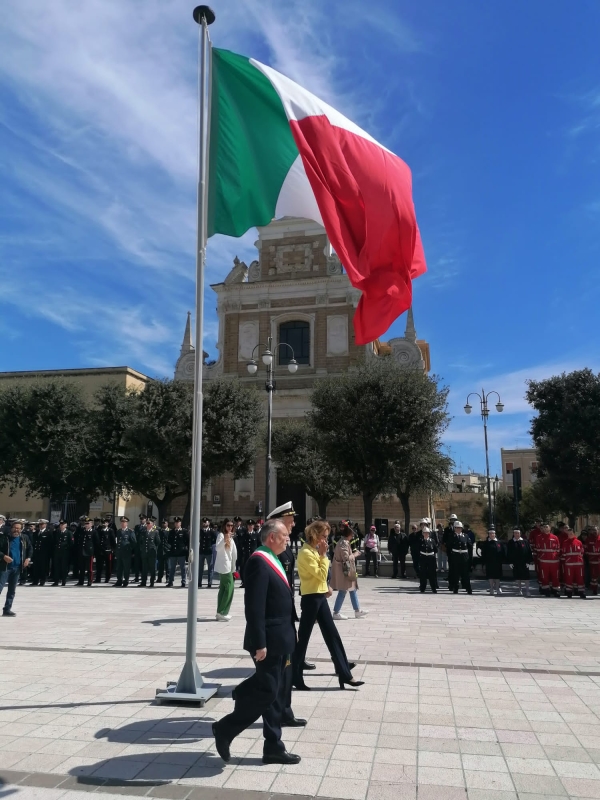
[562, 561]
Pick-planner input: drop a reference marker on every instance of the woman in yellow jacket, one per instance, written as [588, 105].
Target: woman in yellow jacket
[313, 568]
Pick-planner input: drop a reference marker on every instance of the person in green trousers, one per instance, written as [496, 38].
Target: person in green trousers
[225, 564]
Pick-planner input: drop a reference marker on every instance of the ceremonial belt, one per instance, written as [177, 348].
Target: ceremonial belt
[460, 551]
[428, 554]
[548, 560]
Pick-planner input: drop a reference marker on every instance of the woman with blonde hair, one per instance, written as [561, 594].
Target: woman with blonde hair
[313, 567]
[225, 564]
[344, 576]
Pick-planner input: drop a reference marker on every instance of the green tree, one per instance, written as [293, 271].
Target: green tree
[566, 433]
[425, 469]
[372, 420]
[300, 457]
[148, 436]
[46, 441]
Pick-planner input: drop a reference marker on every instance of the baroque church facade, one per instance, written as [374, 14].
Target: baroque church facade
[295, 292]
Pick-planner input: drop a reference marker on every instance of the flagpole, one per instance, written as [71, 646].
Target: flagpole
[190, 687]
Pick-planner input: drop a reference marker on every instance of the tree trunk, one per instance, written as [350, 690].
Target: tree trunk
[187, 514]
[404, 498]
[162, 508]
[322, 504]
[368, 507]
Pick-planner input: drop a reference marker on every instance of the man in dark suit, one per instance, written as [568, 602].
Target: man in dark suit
[270, 639]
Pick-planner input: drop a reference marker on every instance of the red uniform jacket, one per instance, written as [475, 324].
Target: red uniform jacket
[592, 549]
[572, 553]
[548, 548]
[533, 537]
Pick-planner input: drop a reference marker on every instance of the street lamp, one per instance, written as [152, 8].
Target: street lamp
[252, 366]
[485, 412]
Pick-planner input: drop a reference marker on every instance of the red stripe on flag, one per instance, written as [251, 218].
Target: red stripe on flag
[364, 194]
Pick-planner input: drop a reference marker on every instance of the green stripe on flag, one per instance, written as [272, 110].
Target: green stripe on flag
[251, 146]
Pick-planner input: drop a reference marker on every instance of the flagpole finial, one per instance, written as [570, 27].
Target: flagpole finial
[204, 12]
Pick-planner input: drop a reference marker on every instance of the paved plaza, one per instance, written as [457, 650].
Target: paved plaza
[475, 697]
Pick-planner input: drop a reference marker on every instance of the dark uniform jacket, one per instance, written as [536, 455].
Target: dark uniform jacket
[43, 543]
[163, 548]
[460, 543]
[149, 541]
[208, 537]
[88, 543]
[179, 542]
[62, 540]
[269, 609]
[26, 549]
[106, 540]
[427, 548]
[125, 540]
[518, 553]
[492, 555]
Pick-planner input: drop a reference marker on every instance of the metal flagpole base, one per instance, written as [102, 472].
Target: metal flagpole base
[189, 689]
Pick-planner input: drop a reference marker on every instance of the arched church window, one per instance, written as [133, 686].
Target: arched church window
[297, 334]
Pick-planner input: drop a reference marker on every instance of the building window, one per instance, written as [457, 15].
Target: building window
[534, 467]
[509, 467]
[297, 335]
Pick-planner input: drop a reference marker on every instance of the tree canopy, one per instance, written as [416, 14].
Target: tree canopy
[378, 422]
[53, 443]
[566, 433]
[301, 458]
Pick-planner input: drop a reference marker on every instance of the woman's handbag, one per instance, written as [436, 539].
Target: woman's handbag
[349, 568]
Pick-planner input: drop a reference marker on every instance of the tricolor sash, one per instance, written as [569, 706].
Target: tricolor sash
[271, 559]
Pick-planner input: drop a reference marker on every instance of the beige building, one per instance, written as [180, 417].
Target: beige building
[525, 458]
[20, 506]
[295, 292]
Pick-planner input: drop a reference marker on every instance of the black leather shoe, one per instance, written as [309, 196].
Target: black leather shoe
[281, 758]
[8, 614]
[221, 744]
[294, 722]
[351, 665]
[308, 665]
[300, 686]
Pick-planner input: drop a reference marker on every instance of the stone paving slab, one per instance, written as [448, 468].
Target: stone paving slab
[508, 706]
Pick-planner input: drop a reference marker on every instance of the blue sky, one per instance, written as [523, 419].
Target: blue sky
[495, 106]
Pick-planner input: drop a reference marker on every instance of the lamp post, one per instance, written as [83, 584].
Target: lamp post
[267, 359]
[485, 412]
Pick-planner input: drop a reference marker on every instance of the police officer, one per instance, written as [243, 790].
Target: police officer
[137, 556]
[461, 553]
[179, 548]
[104, 554]
[88, 545]
[163, 550]
[208, 538]
[63, 541]
[125, 542]
[148, 545]
[42, 551]
[428, 548]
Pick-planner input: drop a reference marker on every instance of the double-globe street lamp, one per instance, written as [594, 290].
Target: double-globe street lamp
[267, 359]
[485, 412]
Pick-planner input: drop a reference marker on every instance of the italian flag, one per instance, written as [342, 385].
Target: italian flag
[277, 150]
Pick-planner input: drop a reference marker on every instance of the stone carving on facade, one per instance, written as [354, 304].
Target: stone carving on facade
[293, 258]
[337, 335]
[185, 367]
[406, 353]
[233, 305]
[247, 339]
[334, 265]
[254, 272]
[239, 272]
[321, 299]
[264, 303]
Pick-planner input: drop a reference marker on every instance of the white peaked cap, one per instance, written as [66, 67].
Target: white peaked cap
[286, 510]
[458, 524]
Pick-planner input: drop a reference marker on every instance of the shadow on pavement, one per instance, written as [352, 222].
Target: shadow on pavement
[174, 621]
